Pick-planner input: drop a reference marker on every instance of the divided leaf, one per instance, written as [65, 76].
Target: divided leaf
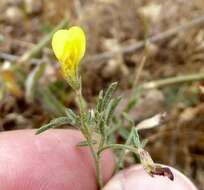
[32, 81]
[134, 100]
[71, 116]
[90, 117]
[87, 143]
[54, 123]
[136, 139]
[102, 126]
[100, 102]
[111, 108]
[51, 101]
[108, 95]
[128, 118]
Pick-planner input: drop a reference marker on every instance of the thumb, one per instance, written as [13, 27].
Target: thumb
[136, 178]
[50, 161]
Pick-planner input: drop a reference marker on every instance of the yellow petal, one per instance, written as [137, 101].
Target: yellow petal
[69, 45]
[59, 40]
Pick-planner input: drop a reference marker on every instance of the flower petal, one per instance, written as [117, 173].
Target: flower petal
[59, 41]
[78, 40]
[69, 44]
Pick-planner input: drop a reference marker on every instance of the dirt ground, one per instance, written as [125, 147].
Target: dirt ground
[111, 25]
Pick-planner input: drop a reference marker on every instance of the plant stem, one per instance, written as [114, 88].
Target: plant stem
[118, 146]
[122, 154]
[87, 134]
[138, 71]
[173, 80]
[98, 171]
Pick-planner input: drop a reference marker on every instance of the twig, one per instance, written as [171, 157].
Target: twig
[36, 48]
[78, 9]
[173, 80]
[45, 40]
[138, 71]
[14, 58]
[131, 48]
[159, 37]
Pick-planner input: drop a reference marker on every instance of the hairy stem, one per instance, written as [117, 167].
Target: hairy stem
[87, 134]
[118, 146]
[122, 154]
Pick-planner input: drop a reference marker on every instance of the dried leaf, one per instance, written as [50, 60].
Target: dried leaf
[32, 81]
[151, 122]
[9, 80]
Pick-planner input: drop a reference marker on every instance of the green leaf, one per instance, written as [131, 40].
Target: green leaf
[54, 123]
[32, 81]
[136, 138]
[144, 143]
[108, 95]
[52, 103]
[102, 127]
[122, 153]
[112, 139]
[111, 108]
[100, 102]
[87, 143]
[71, 115]
[128, 118]
[124, 133]
[90, 118]
[133, 100]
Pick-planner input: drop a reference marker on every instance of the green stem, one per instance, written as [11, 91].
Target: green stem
[103, 141]
[87, 134]
[98, 171]
[118, 146]
[122, 154]
[173, 80]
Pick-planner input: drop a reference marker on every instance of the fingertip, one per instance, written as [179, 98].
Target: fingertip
[136, 177]
[48, 161]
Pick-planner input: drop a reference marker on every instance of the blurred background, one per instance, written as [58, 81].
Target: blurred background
[154, 48]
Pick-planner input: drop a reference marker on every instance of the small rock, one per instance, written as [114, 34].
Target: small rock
[14, 15]
[110, 69]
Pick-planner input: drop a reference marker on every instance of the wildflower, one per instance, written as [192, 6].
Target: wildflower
[69, 48]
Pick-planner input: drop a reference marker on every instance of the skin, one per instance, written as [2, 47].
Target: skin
[51, 161]
[135, 176]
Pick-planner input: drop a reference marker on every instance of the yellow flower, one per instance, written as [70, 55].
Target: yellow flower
[69, 48]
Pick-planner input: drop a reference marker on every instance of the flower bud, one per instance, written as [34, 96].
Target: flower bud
[69, 48]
